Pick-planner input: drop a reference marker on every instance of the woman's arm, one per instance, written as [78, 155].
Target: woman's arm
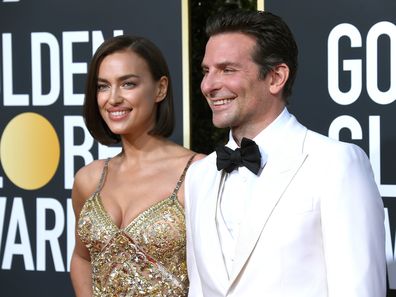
[80, 266]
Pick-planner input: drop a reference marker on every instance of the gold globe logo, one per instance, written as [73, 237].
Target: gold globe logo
[29, 151]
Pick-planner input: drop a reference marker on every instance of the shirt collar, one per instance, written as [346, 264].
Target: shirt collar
[265, 139]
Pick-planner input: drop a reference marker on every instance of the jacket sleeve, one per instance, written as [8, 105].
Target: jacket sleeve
[352, 215]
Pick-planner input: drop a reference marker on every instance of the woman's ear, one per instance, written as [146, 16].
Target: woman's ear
[162, 88]
[279, 77]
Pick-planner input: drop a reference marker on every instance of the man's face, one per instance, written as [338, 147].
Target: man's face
[239, 99]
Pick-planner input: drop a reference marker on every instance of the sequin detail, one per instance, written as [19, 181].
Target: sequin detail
[146, 258]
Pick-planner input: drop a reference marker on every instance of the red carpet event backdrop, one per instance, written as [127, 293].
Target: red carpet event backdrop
[345, 88]
[45, 49]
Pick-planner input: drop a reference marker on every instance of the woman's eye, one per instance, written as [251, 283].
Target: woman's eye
[129, 84]
[101, 87]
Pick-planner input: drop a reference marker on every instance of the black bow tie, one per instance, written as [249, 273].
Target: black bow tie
[247, 155]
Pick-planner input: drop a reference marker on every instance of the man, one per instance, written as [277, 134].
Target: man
[305, 219]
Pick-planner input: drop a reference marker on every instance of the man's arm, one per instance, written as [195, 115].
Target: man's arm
[352, 215]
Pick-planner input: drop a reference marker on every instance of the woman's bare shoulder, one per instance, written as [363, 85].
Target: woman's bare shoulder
[187, 154]
[90, 171]
[87, 179]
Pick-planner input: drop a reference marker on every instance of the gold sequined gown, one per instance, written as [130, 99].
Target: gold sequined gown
[146, 258]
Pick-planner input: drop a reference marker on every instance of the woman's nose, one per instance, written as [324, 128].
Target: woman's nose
[116, 96]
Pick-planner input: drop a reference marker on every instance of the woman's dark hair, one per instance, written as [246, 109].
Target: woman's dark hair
[275, 43]
[158, 67]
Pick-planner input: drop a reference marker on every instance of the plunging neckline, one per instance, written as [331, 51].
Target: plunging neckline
[157, 205]
[172, 197]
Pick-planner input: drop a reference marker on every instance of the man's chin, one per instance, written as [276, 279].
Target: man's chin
[219, 124]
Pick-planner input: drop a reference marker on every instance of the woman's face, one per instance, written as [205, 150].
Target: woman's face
[127, 94]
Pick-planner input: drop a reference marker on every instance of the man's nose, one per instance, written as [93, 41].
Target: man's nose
[210, 83]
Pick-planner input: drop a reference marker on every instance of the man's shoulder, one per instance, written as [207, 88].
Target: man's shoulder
[206, 163]
[322, 145]
[322, 140]
[200, 174]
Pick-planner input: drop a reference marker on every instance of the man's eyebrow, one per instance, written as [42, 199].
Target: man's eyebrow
[222, 64]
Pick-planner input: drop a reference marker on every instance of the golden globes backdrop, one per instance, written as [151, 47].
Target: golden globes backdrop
[45, 47]
[346, 85]
[346, 88]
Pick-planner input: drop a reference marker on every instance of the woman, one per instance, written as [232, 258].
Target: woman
[130, 234]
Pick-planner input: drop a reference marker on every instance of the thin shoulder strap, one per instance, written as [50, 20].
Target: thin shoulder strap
[103, 176]
[181, 179]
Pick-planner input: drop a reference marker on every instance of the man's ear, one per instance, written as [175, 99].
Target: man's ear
[279, 76]
[162, 89]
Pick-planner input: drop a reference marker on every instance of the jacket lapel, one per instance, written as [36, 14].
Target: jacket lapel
[279, 171]
[273, 183]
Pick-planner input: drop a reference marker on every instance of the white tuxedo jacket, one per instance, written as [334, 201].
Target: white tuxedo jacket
[314, 228]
